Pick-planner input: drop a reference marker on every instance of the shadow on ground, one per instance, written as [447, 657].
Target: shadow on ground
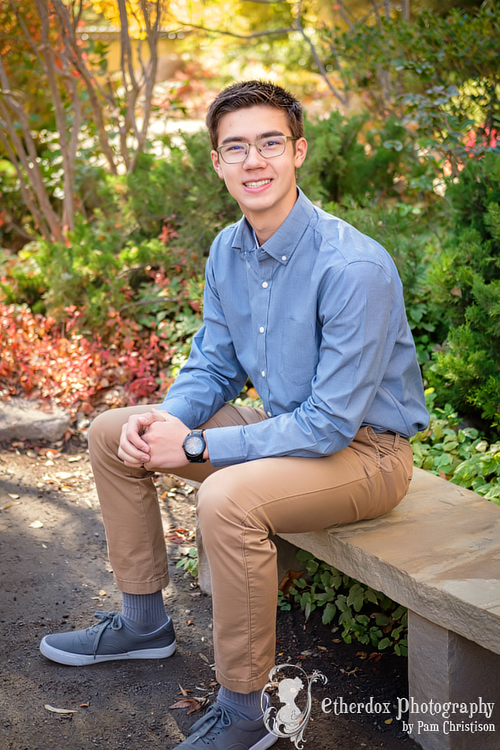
[54, 574]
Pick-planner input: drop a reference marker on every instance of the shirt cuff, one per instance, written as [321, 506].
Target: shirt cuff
[226, 445]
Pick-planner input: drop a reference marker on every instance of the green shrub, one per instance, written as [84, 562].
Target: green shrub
[346, 159]
[364, 615]
[464, 280]
[457, 453]
[183, 193]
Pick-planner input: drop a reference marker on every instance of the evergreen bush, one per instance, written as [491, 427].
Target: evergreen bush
[464, 280]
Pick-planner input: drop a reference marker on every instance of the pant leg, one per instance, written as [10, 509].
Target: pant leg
[129, 502]
[239, 506]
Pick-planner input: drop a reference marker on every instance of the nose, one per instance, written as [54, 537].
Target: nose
[254, 158]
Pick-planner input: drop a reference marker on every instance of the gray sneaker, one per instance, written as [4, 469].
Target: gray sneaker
[222, 729]
[108, 640]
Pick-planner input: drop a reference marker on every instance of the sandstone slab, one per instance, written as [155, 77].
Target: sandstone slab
[437, 553]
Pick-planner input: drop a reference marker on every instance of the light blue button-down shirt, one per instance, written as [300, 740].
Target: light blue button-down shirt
[316, 319]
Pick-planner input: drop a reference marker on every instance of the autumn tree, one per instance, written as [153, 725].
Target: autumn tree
[56, 92]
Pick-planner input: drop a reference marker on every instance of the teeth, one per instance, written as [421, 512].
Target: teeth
[257, 184]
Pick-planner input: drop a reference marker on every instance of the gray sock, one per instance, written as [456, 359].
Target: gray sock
[247, 705]
[144, 613]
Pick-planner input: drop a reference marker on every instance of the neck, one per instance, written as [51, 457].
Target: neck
[265, 224]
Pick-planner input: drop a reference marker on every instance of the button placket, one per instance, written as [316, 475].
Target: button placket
[264, 302]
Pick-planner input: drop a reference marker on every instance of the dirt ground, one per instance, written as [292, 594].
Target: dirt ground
[55, 574]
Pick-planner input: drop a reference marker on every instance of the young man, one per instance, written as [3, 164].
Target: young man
[312, 312]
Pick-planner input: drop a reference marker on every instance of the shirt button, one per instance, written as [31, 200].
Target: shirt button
[263, 373]
[283, 257]
[269, 414]
[265, 284]
[262, 329]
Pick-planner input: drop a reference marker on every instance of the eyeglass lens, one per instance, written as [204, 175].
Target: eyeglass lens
[236, 152]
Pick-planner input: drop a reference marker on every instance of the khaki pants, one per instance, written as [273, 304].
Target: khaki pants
[238, 507]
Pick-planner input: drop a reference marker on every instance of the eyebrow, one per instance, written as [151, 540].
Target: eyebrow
[240, 139]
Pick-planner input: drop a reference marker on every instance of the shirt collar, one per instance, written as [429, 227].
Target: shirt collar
[282, 244]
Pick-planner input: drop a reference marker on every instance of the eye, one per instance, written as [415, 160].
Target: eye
[271, 142]
[233, 148]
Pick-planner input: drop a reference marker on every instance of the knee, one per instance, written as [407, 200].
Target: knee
[226, 502]
[217, 502]
[105, 429]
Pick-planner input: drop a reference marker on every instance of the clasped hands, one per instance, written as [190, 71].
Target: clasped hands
[153, 439]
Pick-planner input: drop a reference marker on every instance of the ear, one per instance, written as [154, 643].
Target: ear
[300, 152]
[216, 164]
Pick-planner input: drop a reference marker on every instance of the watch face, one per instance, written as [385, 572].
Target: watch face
[194, 445]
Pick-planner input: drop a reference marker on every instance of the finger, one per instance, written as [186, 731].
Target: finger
[134, 458]
[132, 446]
[133, 430]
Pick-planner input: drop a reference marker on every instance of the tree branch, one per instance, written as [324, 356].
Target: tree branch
[345, 15]
[255, 35]
[321, 68]
[17, 157]
[68, 162]
[75, 57]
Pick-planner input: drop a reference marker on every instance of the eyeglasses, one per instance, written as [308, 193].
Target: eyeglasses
[237, 151]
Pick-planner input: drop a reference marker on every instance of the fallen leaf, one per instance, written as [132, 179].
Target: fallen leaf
[289, 580]
[193, 704]
[14, 497]
[7, 506]
[60, 710]
[102, 593]
[177, 535]
[84, 705]
[204, 658]
[388, 721]
[36, 525]
[185, 693]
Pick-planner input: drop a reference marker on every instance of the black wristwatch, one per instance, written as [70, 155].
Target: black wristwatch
[194, 447]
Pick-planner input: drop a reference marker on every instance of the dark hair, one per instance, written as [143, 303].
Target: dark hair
[251, 94]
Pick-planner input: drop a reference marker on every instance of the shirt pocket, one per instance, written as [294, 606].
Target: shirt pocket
[298, 352]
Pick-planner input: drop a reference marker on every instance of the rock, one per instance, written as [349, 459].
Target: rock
[25, 420]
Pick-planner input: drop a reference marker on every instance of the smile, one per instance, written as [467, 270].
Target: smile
[257, 184]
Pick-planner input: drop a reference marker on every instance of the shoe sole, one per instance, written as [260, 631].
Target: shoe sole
[265, 742]
[83, 660]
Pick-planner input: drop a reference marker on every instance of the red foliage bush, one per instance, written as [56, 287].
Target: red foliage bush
[40, 359]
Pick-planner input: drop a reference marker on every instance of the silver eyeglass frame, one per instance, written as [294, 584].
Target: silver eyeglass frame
[247, 145]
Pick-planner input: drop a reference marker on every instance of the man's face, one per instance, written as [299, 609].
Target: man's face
[265, 189]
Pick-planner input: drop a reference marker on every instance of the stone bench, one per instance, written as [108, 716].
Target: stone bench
[438, 554]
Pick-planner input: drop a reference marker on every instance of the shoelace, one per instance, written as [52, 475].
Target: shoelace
[217, 714]
[108, 620]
